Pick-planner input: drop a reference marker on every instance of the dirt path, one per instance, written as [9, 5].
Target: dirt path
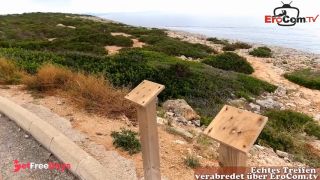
[298, 98]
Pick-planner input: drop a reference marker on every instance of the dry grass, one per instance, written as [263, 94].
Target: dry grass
[93, 93]
[9, 73]
[50, 77]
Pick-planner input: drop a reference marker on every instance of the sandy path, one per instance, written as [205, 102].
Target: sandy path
[306, 100]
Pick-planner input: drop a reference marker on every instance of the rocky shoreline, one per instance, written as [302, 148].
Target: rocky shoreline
[288, 59]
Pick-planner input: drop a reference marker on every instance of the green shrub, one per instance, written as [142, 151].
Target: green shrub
[230, 61]
[192, 161]
[313, 129]
[199, 84]
[305, 77]
[127, 140]
[283, 132]
[175, 47]
[241, 45]
[229, 47]
[217, 41]
[261, 52]
[237, 45]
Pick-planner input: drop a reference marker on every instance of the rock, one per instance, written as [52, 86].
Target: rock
[26, 136]
[282, 154]
[291, 105]
[60, 25]
[181, 120]
[254, 107]
[197, 123]
[169, 114]
[181, 108]
[269, 103]
[280, 91]
[179, 142]
[51, 39]
[316, 117]
[71, 27]
[183, 132]
[99, 133]
[183, 57]
[60, 102]
[161, 120]
[239, 103]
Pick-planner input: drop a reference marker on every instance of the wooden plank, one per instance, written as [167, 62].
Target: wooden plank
[236, 128]
[230, 157]
[149, 141]
[144, 93]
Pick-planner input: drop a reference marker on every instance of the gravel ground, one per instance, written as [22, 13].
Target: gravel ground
[15, 144]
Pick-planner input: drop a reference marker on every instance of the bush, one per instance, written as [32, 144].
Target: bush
[283, 132]
[50, 77]
[313, 129]
[230, 61]
[217, 41]
[192, 161]
[305, 77]
[130, 67]
[90, 92]
[9, 73]
[127, 140]
[176, 47]
[237, 45]
[229, 47]
[241, 45]
[261, 52]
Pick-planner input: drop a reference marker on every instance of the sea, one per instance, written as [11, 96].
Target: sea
[305, 37]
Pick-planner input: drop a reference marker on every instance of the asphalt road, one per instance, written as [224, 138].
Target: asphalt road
[16, 144]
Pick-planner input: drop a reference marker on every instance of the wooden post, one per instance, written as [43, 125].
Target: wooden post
[236, 130]
[145, 96]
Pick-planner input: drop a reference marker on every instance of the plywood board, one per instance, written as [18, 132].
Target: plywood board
[236, 128]
[144, 93]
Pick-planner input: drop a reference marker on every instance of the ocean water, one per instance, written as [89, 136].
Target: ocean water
[304, 37]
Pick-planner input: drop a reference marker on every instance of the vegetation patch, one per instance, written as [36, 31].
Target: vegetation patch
[218, 41]
[305, 77]
[127, 140]
[230, 61]
[192, 161]
[199, 84]
[93, 93]
[176, 47]
[284, 131]
[261, 52]
[235, 46]
[9, 73]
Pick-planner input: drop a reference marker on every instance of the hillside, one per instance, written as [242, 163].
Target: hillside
[81, 67]
[78, 43]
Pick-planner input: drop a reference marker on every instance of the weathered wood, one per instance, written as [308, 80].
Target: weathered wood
[236, 128]
[231, 157]
[145, 96]
[149, 141]
[144, 93]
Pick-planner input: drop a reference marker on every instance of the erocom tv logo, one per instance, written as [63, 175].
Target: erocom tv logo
[287, 15]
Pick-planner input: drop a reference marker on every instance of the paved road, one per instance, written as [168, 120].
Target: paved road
[15, 144]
